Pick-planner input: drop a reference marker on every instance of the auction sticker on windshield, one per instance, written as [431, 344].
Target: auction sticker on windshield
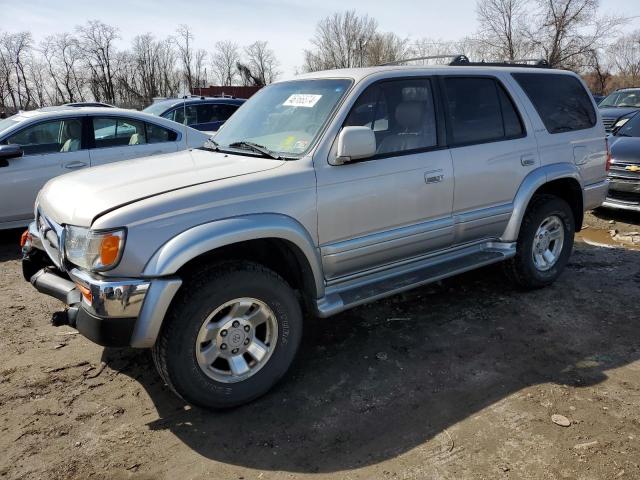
[302, 100]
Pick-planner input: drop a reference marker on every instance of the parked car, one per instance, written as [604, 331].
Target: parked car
[618, 104]
[38, 145]
[320, 194]
[624, 175]
[202, 113]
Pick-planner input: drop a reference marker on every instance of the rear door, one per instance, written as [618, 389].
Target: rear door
[492, 153]
[51, 148]
[121, 138]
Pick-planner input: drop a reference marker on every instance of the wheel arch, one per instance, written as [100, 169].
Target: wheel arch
[562, 180]
[277, 241]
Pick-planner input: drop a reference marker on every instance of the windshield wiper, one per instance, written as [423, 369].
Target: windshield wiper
[256, 148]
[211, 144]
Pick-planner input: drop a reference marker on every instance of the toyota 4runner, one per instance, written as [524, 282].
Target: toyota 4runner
[320, 194]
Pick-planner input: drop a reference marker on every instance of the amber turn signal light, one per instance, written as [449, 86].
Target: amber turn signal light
[109, 249]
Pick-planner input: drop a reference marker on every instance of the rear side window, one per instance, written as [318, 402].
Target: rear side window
[479, 110]
[561, 101]
[157, 134]
[118, 132]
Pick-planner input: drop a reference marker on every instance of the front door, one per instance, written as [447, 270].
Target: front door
[50, 148]
[397, 204]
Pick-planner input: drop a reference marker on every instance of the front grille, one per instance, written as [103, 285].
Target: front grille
[608, 123]
[52, 238]
[621, 170]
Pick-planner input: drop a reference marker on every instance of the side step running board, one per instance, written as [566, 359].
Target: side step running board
[352, 293]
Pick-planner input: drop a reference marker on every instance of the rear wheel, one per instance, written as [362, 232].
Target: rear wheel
[230, 336]
[544, 243]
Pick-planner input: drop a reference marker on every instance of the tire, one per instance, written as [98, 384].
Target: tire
[524, 268]
[180, 352]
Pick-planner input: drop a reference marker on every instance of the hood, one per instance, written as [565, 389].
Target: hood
[616, 112]
[78, 198]
[625, 149]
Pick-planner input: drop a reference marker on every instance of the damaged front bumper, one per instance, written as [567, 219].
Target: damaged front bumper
[113, 312]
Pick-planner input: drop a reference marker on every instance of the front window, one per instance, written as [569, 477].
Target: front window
[49, 137]
[631, 128]
[284, 118]
[622, 99]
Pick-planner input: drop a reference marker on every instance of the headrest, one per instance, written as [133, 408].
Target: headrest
[409, 115]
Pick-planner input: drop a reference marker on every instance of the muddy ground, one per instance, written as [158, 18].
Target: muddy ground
[451, 381]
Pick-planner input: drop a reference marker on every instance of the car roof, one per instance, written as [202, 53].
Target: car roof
[172, 102]
[65, 111]
[358, 74]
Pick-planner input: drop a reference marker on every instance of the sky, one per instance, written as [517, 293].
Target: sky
[287, 25]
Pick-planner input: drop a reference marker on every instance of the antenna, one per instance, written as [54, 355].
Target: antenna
[184, 119]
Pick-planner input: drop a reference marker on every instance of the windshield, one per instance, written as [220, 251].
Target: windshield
[631, 128]
[622, 99]
[7, 122]
[284, 118]
[156, 108]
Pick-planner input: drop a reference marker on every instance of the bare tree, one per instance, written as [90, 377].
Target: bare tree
[262, 63]
[625, 53]
[63, 58]
[502, 27]
[565, 32]
[341, 41]
[223, 61]
[385, 48]
[199, 68]
[184, 41]
[97, 41]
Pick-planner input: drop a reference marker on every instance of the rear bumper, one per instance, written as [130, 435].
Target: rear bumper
[595, 194]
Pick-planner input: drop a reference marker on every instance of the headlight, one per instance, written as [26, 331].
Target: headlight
[95, 251]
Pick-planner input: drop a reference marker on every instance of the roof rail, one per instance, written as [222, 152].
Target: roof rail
[431, 57]
[539, 63]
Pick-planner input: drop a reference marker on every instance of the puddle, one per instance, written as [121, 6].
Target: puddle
[602, 238]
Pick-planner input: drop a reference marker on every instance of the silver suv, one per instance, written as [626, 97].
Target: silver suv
[321, 193]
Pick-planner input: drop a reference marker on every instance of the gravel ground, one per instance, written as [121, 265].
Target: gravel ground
[457, 380]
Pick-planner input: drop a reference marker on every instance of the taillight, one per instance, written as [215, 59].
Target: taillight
[607, 165]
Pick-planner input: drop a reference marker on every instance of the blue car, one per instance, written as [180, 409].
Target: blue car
[202, 113]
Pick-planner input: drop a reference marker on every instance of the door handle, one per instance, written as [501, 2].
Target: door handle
[527, 160]
[72, 165]
[433, 177]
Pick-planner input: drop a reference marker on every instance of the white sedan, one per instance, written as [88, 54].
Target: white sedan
[38, 145]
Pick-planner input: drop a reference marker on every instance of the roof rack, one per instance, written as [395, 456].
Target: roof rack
[462, 60]
[455, 57]
[523, 62]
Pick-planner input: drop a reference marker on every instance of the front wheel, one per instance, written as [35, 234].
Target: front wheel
[230, 336]
[544, 243]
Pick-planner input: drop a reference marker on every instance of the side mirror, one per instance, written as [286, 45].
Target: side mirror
[7, 152]
[355, 143]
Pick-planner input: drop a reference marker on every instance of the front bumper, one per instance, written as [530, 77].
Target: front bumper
[109, 311]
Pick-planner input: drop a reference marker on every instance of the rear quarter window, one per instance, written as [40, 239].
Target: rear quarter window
[561, 101]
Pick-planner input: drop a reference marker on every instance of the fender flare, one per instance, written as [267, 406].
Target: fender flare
[531, 183]
[206, 237]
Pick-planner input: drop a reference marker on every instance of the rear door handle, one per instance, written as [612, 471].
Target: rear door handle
[527, 160]
[72, 165]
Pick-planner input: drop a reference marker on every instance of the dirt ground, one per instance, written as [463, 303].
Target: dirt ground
[457, 380]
